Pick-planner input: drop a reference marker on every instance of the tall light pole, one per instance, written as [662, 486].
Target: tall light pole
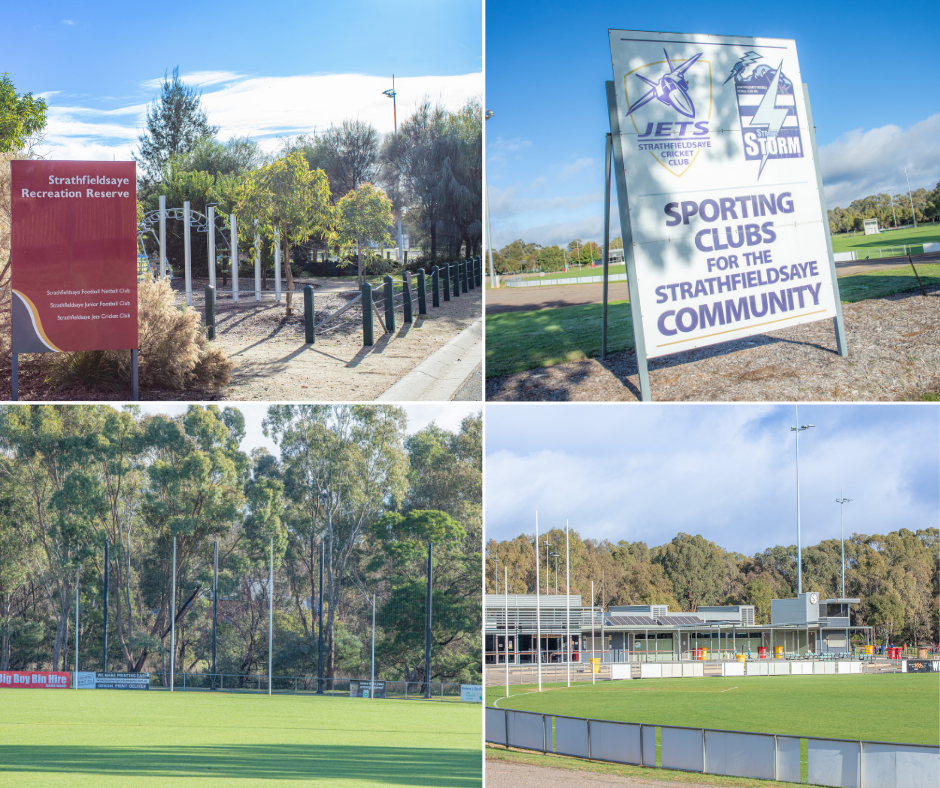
[538, 608]
[799, 543]
[893, 213]
[568, 603]
[489, 235]
[496, 569]
[547, 544]
[911, 196]
[391, 94]
[842, 501]
[555, 556]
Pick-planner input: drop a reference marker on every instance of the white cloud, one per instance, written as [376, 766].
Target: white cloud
[860, 163]
[67, 22]
[577, 168]
[263, 108]
[196, 79]
[499, 151]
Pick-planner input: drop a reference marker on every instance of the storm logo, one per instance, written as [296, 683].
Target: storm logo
[671, 114]
[770, 126]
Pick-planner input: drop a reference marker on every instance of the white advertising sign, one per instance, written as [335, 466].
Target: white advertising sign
[84, 679]
[471, 693]
[729, 237]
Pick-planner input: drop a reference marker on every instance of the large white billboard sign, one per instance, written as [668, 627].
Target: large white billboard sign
[729, 236]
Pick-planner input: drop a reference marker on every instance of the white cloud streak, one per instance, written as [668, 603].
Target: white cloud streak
[263, 108]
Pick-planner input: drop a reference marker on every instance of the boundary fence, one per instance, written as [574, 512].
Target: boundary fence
[254, 684]
[841, 763]
[466, 275]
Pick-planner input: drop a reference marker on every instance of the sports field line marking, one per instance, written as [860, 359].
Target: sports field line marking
[729, 689]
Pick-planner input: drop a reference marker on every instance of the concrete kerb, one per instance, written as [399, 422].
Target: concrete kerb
[439, 376]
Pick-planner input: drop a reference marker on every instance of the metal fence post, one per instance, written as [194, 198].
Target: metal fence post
[435, 287]
[389, 304]
[641, 745]
[479, 272]
[422, 293]
[589, 739]
[446, 271]
[309, 335]
[456, 273]
[703, 751]
[210, 312]
[463, 276]
[368, 333]
[406, 294]
[470, 273]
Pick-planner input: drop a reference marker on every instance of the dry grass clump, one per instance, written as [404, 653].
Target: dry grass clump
[174, 351]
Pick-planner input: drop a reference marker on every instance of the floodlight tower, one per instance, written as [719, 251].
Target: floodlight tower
[799, 542]
[893, 212]
[489, 235]
[390, 93]
[842, 501]
[547, 545]
[555, 556]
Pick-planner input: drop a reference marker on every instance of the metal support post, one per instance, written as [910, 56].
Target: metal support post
[389, 304]
[162, 200]
[309, 336]
[234, 261]
[463, 276]
[257, 246]
[422, 293]
[427, 630]
[210, 242]
[104, 625]
[15, 379]
[210, 312]
[271, 620]
[368, 333]
[456, 274]
[837, 322]
[606, 245]
[406, 294]
[187, 253]
[471, 274]
[215, 606]
[135, 391]
[626, 233]
[435, 287]
[173, 620]
[446, 272]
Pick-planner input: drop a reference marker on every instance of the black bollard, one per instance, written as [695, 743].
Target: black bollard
[479, 267]
[368, 332]
[471, 274]
[463, 276]
[210, 311]
[446, 270]
[406, 295]
[422, 293]
[435, 287]
[456, 272]
[308, 315]
[389, 303]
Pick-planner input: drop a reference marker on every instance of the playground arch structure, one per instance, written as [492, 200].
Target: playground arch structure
[451, 278]
[154, 223]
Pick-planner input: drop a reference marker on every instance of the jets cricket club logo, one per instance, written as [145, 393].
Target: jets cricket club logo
[767, 108]
[670, 104]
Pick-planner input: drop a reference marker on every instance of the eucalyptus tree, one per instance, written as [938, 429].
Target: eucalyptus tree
[344, 466]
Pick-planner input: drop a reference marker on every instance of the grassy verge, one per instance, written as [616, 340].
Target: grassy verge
[497, 753]
[517, 341]
[877, 284]
[862, 244]
[112, 738]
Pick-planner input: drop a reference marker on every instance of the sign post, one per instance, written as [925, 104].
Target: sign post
[722, 211]
[74, 258]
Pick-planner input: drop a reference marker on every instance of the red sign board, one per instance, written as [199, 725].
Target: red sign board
[74, 255]
[31, 679]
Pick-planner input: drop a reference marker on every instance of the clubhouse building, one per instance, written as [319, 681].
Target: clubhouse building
[805, 626]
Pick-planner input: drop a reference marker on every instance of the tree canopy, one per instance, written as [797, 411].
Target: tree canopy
[21, 116]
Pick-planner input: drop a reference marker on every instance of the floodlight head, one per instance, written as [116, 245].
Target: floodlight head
[489, 114]
[390, 93]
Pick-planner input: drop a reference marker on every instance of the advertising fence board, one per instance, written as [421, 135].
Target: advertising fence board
[471, 693]
[366, 689]
[681, 748]
[525, 730]
[124, 681]
[615, 741]
[74, 255]
[34, 679]
[571, 737]
[740, 754]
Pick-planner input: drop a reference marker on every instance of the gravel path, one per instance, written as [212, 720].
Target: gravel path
[894, 354]
[503, 774]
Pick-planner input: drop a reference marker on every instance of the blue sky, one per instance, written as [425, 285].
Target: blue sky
[267, 70]
[869, 66]
[726, 472]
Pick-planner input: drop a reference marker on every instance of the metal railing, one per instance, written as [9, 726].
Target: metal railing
[254, 683]
[845, 763]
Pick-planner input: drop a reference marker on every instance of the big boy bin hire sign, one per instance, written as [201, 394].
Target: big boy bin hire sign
[729, 235]
[74, 256]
